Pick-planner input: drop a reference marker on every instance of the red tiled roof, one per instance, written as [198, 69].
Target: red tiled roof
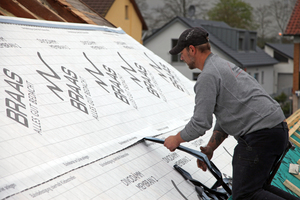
[293, 27]
[100, 6]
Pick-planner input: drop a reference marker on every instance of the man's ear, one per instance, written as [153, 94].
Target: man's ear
[192, 49]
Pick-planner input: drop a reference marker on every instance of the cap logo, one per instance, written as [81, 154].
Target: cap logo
[189, 35]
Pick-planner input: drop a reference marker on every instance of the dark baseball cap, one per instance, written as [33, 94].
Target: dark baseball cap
[192, 36]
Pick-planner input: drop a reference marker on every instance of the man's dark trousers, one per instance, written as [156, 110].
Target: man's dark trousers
[253, 159]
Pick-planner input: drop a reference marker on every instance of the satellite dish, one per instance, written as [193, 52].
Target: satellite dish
[191, 11]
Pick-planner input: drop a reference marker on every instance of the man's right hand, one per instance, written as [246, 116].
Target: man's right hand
[173, 141]
[208, 151]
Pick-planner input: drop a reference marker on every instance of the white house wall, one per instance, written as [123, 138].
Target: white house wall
[283, 69]
[269, 50]
[266, 77]
[162, 43]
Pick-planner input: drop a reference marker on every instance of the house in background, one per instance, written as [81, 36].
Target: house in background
[235, 45]
[121, 13]
[283, 76]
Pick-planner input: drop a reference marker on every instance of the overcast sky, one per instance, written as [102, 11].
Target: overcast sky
[210, 3]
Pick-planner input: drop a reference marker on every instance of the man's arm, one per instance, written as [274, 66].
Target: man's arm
[215, 140]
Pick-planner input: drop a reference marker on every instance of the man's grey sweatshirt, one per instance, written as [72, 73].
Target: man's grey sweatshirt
[239, 102]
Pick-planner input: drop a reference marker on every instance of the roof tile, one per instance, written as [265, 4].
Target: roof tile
[100, 6]
[293, 27]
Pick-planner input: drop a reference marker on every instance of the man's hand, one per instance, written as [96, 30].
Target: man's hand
[173, 141]
[208, 151]
[215, 140]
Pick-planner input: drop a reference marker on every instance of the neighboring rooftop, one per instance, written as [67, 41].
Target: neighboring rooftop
[293, 27]
[239, 44]
[285, 49]
[102, 7]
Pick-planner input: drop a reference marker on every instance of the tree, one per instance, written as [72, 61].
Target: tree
[157, 17]
[144, 9]
[235, 13]
[262, 19]
[281, 12]
[143, 5]
[282, 99]
[272, 20]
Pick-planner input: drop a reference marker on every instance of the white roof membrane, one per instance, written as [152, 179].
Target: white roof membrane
[76, 102]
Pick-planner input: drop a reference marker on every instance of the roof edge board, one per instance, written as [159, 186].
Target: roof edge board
[62, 25]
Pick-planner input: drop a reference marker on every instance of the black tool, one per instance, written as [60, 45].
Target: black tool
[210, 165]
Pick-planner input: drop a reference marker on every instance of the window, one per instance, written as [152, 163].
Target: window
[252, 44]
[280, 57]
[256, 76]
[126, 12]
[262, 77]
[175, 58]
[241, 44]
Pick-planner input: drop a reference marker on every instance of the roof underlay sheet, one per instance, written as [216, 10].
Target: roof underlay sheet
[77, 101]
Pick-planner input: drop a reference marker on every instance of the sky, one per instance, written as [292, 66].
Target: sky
[253, 3]
[210, 3]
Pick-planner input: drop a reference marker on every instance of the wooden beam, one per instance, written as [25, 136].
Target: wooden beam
[297, 135]
[295, 127]
[65, 11]
[2, 13]
[294, 142]
[291, 120]
[292, 187]
[77, 12]
[41, 10]
[15, 8]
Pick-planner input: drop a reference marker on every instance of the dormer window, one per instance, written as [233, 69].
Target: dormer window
[241, 44]
[252, 44]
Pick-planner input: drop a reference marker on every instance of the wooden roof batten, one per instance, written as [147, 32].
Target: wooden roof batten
[73, 11]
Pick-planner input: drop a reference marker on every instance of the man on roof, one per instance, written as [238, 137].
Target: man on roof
[242, 109]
